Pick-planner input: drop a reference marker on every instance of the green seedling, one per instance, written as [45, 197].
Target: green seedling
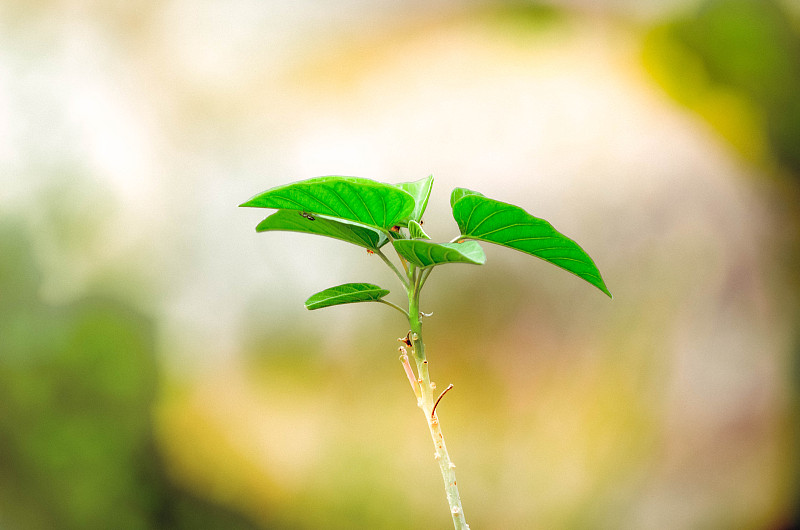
[376, 216]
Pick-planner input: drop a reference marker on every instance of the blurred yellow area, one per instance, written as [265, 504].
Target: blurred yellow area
[158, 369]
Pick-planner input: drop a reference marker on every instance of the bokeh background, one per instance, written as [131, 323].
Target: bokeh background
[158, 369]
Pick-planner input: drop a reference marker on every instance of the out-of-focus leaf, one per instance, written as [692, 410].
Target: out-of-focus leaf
[294, 221]
[485, 219]
[347, 293]
[359, 200]
[416, 232]
[421, 191]
[426, 254]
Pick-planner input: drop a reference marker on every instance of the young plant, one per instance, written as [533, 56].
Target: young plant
[375, 216]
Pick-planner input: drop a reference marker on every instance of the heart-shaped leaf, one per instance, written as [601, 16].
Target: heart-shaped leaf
[421, 191]
[415, 231]
[348, 293]
[485, 219]
[294, 221]
[426, 254]
[358, 200]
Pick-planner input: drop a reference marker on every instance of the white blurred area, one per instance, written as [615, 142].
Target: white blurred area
[157, 119]
[172, 113]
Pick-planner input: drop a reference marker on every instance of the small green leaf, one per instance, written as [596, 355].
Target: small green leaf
[416, 232]
[347, 293]
[485, 219]
[359, 200]
[421, 191]
[426, 254]
[294, 221]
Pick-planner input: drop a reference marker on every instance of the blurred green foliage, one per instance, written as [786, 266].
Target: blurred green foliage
[77, 384]
[737, 63]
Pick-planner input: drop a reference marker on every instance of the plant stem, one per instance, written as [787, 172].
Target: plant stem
[424, 277]
[427, 403]
[413, 282]
[389, 263]
[390, 304]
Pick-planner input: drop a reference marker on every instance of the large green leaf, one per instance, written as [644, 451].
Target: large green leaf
[347, 293]
[485, 219]
[353, 199]
[421, 191]
[294, 221]
[426, 254]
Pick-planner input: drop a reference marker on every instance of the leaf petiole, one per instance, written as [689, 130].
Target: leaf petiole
[425, 274]
[392, 266]
[390, 304]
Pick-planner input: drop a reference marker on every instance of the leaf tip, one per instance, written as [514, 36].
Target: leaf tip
[604, 289]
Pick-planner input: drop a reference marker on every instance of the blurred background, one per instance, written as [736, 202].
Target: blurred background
[158, 369]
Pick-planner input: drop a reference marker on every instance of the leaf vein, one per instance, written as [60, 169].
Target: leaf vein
[504, 227]
[475, 229]
[344, 202]
[315, 199]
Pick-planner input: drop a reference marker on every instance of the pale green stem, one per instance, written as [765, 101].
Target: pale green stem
[422, 386]
[425, 274]
[427, 403]
[390, 304]
[410, 274]
[388, 262]
[417, 281]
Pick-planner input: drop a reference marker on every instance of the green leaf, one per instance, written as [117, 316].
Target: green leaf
[460, 193]
[294, 221]
[421, 191]
[362, 201]
[426, 254]
[416, 232]
[347, 293]
[485, 219]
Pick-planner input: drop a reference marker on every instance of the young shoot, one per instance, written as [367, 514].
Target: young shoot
[377, 216]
